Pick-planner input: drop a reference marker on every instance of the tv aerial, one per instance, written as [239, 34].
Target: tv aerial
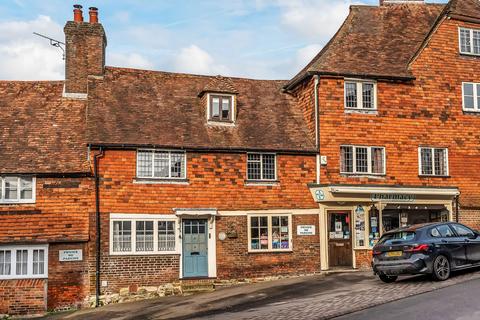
[55, 43]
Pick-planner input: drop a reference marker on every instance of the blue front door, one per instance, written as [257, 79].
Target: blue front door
[195, 248]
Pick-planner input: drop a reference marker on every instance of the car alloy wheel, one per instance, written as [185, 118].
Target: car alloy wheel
[441, 268]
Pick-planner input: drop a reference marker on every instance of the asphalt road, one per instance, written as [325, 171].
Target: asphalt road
[458, 302]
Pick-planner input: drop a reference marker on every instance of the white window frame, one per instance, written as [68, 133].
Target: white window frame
[359, 83]
[269, 225]
[17, 200]
[261, 166]
[433, 174]
[476, 107]
[169, 151]
[233, 109]
[30, 249]
[133, 218]
[470, 30]
[369, 160]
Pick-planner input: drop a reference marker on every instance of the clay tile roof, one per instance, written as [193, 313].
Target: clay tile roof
[219, 84]
[375, 41]
[466, 8]
[41, 132]
[161, 109]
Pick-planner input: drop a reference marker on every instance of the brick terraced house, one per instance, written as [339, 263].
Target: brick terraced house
[120, 180]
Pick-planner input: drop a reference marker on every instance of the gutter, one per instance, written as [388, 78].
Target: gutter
[456, 209]
[96, 160]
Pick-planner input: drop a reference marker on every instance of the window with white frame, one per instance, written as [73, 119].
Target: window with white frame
[270, 232]
[14, 189]
[143, 235]
[471, 96]
[360, 95]
[22, 262]
[469, 41]
[161, 164]
[261, 166]
[433, 161]
[362, 160]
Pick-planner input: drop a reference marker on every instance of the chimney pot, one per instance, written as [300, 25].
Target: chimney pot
[93, 13]
[77, 13]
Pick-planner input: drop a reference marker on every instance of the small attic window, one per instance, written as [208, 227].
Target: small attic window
[220, 108]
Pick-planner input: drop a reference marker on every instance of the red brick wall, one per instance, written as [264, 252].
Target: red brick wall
[67, 280]
[305, 94]
[363, 259]
[234, 260]
[470, 217]
[59, 214]
[23, 297]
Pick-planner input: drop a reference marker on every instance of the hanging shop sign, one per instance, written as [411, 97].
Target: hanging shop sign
[305, 230]
[393, 197]
[70, 255]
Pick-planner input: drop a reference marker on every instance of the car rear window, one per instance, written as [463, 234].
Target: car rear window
[400, 236]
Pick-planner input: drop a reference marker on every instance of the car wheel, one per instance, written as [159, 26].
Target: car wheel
[387, 279]
[441, 268]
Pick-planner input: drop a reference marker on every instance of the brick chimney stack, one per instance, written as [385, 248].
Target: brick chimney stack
[385, 2]
[85, 51]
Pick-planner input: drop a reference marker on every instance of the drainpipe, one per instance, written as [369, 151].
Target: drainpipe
[96, 160]
[456, 209]
[317, 126]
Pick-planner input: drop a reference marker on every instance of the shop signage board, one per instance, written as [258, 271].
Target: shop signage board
[305, 230]
[393, 197]
[71, 255]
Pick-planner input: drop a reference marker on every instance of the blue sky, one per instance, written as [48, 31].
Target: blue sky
[249, 38]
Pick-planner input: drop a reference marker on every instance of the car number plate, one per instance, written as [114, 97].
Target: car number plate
[394, 254]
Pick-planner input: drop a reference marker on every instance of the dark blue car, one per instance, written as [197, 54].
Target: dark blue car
[433, 248]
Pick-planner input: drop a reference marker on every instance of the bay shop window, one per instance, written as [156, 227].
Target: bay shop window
[142, 235]
[269, 233]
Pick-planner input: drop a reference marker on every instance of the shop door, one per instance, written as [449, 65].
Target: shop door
[195, 248]
[339, 239]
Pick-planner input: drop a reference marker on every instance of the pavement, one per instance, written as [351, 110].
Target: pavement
[308, 297]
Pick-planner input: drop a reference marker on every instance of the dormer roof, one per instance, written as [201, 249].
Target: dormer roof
[219, 84]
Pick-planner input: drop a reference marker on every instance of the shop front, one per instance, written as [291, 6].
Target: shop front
[353, 218]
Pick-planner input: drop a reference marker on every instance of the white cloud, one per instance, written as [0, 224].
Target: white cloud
[315, 19]
[193, 59]
[306, 54]
[129, 60]
[24, 56]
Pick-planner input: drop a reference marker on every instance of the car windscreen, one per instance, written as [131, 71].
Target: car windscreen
[397, 237]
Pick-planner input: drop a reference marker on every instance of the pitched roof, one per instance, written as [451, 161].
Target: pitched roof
[465, 8]
[219, 84]
[375, 41]
[161, 109]
[40, 132]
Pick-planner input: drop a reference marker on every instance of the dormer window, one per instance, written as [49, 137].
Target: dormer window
[221, 108]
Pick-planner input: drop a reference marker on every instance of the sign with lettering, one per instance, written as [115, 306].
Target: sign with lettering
[393, 197]
[305, 230]
[70, 255]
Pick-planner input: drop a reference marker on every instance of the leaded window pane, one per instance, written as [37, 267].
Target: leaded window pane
[476, 42]
[166, 236]
[440, 160]
[368, 96]
[378, 166]
[465, 45]
[468, 96]
[346, 159]
[350, 94]
[426, 161]
[361, 159]
[122, 236]
[178, 164]
[268, 166]
[144, 163]
[144, 236]
[254, 166]
[161, 164]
